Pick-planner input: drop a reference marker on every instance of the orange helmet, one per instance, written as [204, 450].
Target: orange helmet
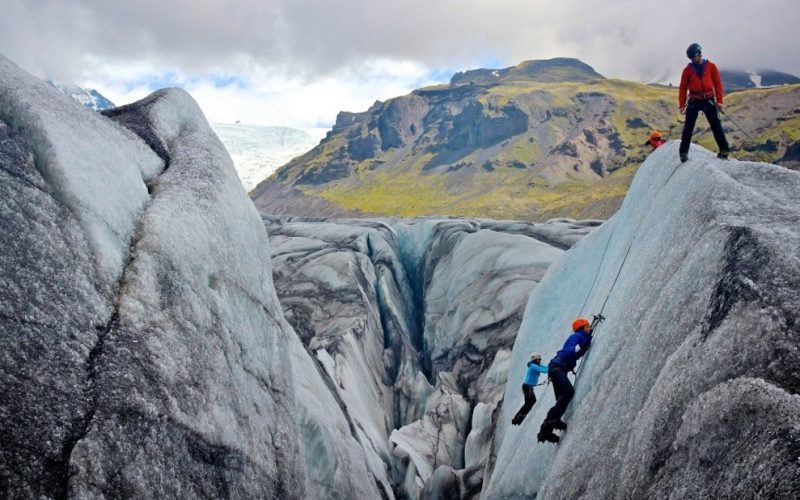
[579, 323]
[655, 134]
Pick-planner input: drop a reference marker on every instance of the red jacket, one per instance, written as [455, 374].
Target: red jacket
[655, 143]
[707, 87]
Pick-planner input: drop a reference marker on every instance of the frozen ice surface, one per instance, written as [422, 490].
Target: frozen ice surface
[144, 350]
[196, 354]
[94, 168]
[337, 466]
[689, 389]
[438, 438]
[378, 302]
[142, 341]
[258, 151]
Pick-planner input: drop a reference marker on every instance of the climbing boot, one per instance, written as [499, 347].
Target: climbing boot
[547, 437]
[558, 425]
[723, 154]
[684, 157]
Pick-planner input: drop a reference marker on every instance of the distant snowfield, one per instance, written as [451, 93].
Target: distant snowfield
[756, 79]
[258, 151]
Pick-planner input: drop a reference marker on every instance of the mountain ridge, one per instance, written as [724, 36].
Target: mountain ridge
[89, 98]
[734, 79]
[559, 69]
[511, 146]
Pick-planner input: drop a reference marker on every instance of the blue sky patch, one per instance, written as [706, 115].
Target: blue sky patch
[222, 80]
[490, 61]
[156, 81]
[173, 78]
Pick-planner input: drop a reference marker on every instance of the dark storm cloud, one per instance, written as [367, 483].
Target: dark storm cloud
[627, 39]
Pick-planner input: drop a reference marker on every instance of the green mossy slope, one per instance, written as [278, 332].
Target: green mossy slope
[512, 148]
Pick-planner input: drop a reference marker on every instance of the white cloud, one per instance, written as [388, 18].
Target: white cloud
[307, 59]
[271, 97]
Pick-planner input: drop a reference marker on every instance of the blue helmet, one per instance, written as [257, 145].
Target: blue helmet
[693, 49]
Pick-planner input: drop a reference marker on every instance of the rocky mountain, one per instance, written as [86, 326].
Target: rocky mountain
[734, 80]
[89, 98]
[159, 337]
[539, 140]
[548, 71]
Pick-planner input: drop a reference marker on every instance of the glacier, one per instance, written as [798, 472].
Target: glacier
[376, 302]
[89, 98]
[159, 336]
[141, 334]
[690, 388]
[258, 151]
[145, 350]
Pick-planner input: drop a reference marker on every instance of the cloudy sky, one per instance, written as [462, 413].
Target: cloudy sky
[298, 62]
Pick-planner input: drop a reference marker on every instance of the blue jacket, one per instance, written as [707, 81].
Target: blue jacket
[532, 375]
[574, 348]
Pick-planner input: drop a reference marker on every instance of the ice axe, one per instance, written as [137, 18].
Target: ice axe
[596, 320]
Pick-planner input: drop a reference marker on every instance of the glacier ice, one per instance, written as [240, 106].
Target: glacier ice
[378, 301]
[700, 275]
[258, 151]
[142, 341]
[95, 169]
[144, 350]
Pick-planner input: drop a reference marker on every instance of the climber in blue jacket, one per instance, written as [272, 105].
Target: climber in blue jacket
[531, 380]
[574, 348]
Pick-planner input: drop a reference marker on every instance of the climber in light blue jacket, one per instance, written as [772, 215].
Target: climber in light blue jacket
[531, 380]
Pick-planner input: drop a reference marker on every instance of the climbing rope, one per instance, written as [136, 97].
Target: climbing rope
[673, 173]
[726, 115]
[602, 259]
[589, 294]
[598, 318]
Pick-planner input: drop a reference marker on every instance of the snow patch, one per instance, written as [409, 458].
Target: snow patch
[755, 78]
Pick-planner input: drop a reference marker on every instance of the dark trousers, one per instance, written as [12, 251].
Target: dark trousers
[710, 110]
[563, 390]
[530, 400]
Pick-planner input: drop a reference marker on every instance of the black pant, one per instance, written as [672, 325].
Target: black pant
[710, 110]
[563, 390]
[530, 400]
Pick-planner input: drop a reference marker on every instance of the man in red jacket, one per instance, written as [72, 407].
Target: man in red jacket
[700, 81]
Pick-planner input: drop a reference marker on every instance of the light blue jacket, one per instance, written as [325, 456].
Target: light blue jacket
[532, 375]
